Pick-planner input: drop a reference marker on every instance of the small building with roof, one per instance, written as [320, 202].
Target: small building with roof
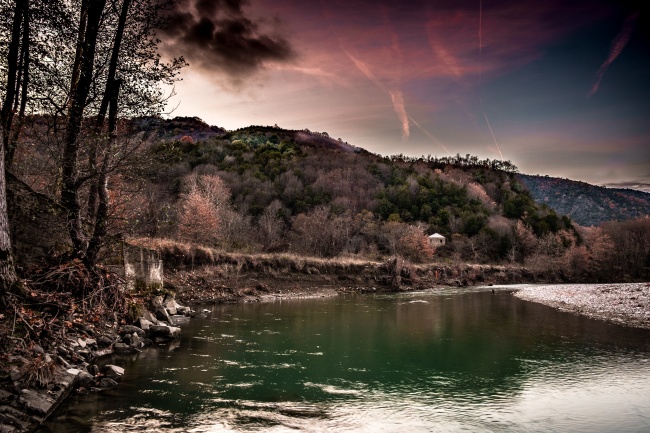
[436, 240]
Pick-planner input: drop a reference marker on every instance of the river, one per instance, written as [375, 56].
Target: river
[433, 361]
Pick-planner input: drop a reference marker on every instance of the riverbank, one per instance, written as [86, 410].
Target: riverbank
[52, 347]
[247, 278]
[625, 304]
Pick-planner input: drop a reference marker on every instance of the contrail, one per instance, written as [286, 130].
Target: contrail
[480, 44]
[400, 110]
[397, 97]
[428, 134]
[493, 137]
[619, 43]
[480, 73]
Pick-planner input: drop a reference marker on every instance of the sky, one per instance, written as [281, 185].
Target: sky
[558, 87]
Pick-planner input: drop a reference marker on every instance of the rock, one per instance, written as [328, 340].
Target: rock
[179, 320]
[145, 324]
[102, 352]
[112, 371]
[170, 305]
[4, 428]
[84, 353]
[93, 370]
[107, 382]
[104, 341]
[161, 333]
[84, 378]
[149, 316]
[63, 362]
[35, 401]
[136, 341]
[125, 349]
[130, 329]
[15, 374]
[159, 309]
[12, 418]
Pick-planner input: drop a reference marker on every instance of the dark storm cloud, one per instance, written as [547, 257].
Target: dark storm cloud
[218, 36]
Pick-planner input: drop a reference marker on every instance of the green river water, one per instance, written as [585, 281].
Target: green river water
[433, 361]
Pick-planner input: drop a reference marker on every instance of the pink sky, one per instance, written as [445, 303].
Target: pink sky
[432, 77]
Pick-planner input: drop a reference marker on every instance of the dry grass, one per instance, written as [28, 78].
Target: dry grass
[38, 372]
[178, 254]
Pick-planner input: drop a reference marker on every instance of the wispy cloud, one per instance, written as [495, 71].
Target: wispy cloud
[638, 185]
[617, 46]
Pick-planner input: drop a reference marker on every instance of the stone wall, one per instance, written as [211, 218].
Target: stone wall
[143, 268]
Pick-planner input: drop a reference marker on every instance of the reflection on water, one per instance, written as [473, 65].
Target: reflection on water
[429, 361]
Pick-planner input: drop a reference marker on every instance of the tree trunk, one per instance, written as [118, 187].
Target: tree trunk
[7, 270]
[81, 35]
[78, 97]
[24, 84]
[106, 99]
[6, 115]
[101, 218]
[112, 67]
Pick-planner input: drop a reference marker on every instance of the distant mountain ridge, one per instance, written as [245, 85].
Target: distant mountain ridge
[587, 204]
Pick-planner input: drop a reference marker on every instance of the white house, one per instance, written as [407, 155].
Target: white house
[436, 240]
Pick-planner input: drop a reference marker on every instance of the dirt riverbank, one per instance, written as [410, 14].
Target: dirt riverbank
[250, 278]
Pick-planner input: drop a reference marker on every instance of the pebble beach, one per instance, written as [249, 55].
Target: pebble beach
[626, 304]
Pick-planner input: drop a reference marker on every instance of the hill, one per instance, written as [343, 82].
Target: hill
[586, 204]
[264, 189]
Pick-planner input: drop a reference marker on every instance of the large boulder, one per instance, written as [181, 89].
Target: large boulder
[171, 305]
[35, 401]
[130, 329]
[161, 333]
[159, 309]
[179, 320]
[112, 371]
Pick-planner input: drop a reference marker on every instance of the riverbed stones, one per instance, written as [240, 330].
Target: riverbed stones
[73, 354]
[627, 303]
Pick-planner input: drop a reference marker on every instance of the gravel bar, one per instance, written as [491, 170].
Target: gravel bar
[625, 304]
